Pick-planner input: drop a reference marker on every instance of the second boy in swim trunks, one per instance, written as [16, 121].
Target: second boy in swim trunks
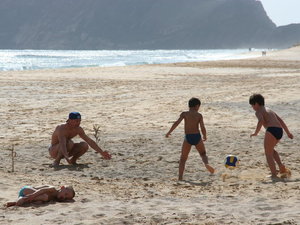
[192, 121]
[274, 130]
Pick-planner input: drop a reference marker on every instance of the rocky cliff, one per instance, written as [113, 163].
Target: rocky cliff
[140, 24]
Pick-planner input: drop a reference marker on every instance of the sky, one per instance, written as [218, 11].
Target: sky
[282, 12]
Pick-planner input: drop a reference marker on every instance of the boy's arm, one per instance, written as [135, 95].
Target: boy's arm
[284, 126]
[93, 144]
[259, 124]
[258, 127]
[202, 127]
[175, 124]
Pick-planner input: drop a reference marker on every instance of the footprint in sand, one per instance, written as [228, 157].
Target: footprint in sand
[98, 215]
[85, 200]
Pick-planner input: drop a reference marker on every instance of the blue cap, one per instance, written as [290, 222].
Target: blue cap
[74, 116]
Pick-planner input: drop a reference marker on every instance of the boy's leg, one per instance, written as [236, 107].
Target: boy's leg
[78, 150]
[269, 144]
[201, 149]
[282, 168]
[185, 150]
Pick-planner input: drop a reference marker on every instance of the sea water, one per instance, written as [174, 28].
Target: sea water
[52, 59]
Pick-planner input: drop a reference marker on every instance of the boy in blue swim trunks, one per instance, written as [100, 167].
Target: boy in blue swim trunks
[41, 194]
[192, 120]
[274, 130]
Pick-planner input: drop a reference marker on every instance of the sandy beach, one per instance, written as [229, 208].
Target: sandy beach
[134, 107]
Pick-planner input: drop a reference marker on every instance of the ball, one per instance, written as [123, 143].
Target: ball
[231, 161]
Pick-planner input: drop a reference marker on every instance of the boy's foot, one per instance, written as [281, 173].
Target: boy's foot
[9, 204]
[286, 173]
[282, 169]
[209, 168]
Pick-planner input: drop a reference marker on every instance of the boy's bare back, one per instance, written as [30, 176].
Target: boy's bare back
[268, 117]
[192, 120]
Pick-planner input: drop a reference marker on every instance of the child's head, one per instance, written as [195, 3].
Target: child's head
[257, 98]
[193, 102]
[66, 193]
[256, 101]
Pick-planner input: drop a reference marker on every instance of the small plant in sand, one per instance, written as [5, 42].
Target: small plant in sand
[96, 129]
[13, 155]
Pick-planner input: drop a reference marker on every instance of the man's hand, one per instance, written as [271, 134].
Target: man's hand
[106, 155]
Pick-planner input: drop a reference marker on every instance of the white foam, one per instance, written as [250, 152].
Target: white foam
[52, 59]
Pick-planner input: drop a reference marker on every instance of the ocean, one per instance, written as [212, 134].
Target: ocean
[53, 59]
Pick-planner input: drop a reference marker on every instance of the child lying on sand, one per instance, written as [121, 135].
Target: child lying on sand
[41, 194]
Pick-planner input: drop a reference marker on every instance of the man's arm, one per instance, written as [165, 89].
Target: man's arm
[93, 144]
[175, 124]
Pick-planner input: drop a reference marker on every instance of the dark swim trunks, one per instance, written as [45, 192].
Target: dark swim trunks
[277, 132]
[193, 139]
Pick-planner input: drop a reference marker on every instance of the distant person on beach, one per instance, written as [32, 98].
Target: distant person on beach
[42, 194]
[274, 130]
[192, 120]
[62, 145]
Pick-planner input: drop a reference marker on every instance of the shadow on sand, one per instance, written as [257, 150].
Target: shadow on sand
[73, 167]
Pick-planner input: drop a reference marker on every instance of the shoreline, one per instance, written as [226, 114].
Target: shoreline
[52, 59]
[135, 106]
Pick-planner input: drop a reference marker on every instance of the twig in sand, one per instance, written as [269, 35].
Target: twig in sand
[96, 134]
[13, 156]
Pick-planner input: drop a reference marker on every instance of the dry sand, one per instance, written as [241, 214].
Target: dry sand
[134, 107]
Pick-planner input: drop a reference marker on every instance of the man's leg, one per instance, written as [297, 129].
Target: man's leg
[186, 148]
[78, 150]
[201, 149]
[56, 153]
[269, 144]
